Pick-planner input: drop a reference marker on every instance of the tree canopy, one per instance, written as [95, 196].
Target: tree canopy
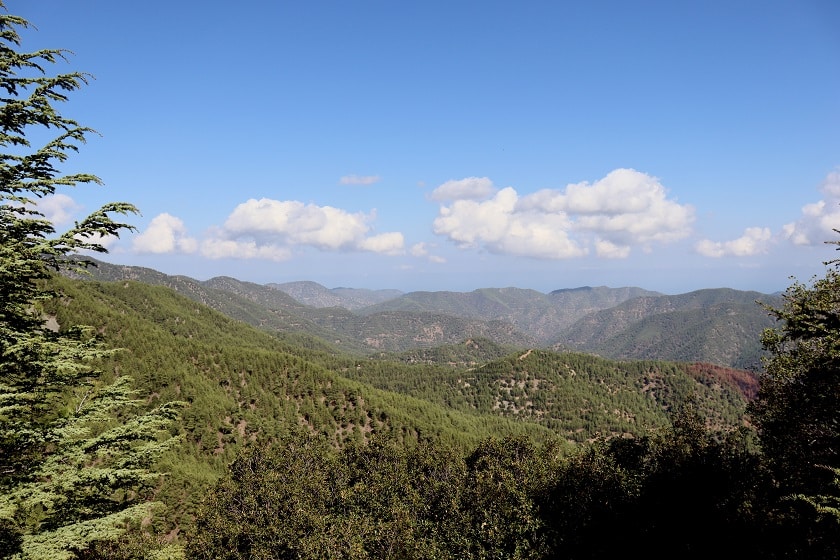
[74, 460]
[796, 411]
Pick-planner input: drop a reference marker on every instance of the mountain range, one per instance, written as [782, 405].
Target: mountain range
[720, 326]
[254, 363]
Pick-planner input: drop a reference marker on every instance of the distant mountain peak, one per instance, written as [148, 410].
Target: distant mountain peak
[578, 289]
[311, 293]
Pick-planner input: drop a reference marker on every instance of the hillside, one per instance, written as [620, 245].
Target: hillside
[467, 353]
[245, 384]
[315, 295]
[575, 395]
[719, 326]
[275, 311]
[539, 315]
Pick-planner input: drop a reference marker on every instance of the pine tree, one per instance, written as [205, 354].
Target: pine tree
[74, 459]
[797, 414]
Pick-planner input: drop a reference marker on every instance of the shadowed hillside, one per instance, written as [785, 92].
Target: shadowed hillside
[720, 326]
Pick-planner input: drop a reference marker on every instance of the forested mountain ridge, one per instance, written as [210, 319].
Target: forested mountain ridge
[316, 295]
[246, 385]
[720, 326]
[573, 394]
[274, 310]
[137, 422]
[540, 315]
[243, 383]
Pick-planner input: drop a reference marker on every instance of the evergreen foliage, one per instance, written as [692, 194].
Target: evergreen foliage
[74, 462]
[681, 493]
[797, 414]
[243, 384]
[578, 396]
[300, 499]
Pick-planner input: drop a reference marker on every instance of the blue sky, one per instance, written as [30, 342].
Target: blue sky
[460, 145]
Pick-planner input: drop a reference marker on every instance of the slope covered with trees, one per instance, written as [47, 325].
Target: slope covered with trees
[719, 326]
[243, 383]
[315, 295]
[276, 311]
[685, 490]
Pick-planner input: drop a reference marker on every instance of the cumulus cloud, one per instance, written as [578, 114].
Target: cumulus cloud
[108, 242]
[165, 234]
[391, 243]
[359, 179]
[818, 220]
[755, 241]
[608, 250]
[57, 208]
[60, 209]
[626, 208]
[498, 225]
[296, 223]
[471, 188]
[270, 229]
[421, 250]
[243, 249]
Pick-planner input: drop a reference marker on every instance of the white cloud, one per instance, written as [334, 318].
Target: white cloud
[269, 228]
[831, 185]
[470, 222]
[359, 179]
[499, 226]
[608, 250]
[421, 250]
[391, 243]
[58, 208]
[165, 234]
[471, 188]
[624, 209]
[755, 241]
[297, 223]
[818, 220]
[106, 241]
[621, 192]
[245, 249]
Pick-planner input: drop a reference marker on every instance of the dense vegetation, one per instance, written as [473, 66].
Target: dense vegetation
[675, 495]
[244, 384]
[575, 446]
[255, 442]
[720, 326]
